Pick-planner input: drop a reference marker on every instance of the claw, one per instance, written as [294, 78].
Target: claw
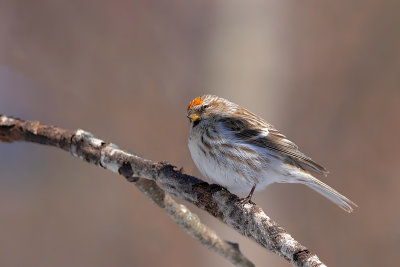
[245, 200]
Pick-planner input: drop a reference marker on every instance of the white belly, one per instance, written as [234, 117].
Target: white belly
[237, 177]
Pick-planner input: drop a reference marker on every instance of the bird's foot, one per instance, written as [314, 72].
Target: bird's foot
[245, 200]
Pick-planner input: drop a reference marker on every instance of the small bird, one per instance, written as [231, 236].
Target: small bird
[240, 151]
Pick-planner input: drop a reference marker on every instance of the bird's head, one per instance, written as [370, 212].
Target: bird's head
[207, 107]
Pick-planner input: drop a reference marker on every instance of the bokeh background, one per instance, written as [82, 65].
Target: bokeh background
[326, 73]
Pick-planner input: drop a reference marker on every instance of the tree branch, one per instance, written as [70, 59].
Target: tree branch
[249, 220]
[191, 223]
[179, 213]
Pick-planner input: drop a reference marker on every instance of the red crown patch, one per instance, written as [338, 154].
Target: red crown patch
[195, 102]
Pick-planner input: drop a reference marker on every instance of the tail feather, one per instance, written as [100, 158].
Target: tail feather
[331, 194]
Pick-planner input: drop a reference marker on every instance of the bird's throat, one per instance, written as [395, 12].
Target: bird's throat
[196, 122]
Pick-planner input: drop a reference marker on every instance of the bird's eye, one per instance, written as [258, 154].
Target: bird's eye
[202, 108]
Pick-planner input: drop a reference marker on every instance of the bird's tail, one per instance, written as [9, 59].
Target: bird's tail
[330, 193]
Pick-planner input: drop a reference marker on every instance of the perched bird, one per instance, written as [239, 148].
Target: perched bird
[242, 152]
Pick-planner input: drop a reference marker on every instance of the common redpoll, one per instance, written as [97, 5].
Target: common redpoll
[240, 151]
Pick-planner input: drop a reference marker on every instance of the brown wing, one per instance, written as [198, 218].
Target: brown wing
[249, 131]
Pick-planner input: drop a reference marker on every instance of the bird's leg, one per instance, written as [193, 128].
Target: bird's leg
[247, 199]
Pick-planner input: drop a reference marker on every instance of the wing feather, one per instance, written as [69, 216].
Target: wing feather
[252, 129]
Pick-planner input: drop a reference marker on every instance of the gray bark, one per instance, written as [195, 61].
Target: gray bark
[249, 220]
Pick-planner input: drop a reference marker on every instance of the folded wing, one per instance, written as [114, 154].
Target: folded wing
[256, 131]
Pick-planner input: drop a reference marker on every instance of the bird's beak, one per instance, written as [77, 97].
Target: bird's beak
[192, 116]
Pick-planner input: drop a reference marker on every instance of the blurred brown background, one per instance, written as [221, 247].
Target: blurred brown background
[326, 73]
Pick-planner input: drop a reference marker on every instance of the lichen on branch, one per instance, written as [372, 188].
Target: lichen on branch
[249, 220]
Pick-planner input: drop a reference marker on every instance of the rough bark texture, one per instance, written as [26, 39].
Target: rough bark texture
[190, 222]
[249, 220]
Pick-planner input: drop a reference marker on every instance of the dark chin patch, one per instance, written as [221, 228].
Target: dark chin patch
[196, 122]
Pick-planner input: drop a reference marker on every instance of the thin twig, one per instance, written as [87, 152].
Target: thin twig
[191, 223]
[249, 220]
[179, 213]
